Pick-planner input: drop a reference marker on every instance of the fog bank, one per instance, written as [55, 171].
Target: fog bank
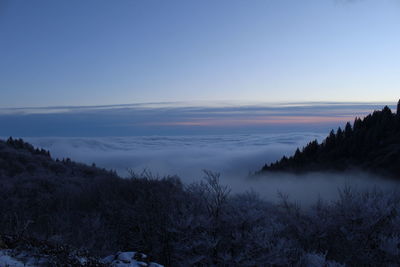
[185, 156]
[233, 156]
[306, 189]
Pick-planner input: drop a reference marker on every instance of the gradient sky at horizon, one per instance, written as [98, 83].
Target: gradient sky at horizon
[55, 53]
[167, 120]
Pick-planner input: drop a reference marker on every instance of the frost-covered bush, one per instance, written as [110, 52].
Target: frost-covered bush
[202, 224]
[317, 260]
[358, 229]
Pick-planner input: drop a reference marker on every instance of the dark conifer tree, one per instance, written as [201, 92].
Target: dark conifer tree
[398, 108]
[297, 153]
[372, 143]
[348, 130]
[339, 134]
[357, 124]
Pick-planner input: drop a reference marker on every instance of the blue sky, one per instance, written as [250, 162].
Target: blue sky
[56, 53]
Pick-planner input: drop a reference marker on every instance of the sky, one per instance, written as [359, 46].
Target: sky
[174, 119]
[95, 52]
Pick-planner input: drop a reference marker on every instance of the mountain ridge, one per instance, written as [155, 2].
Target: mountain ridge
[371, 143]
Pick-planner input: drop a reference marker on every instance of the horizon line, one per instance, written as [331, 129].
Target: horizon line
[194, 104]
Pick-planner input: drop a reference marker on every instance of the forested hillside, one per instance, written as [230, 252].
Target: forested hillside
[371, 143]
[49, 206]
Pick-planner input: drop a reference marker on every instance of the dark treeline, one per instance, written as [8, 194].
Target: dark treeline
[372, 143]
[202, 224]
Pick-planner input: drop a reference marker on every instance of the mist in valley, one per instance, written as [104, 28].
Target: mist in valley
[235, 157]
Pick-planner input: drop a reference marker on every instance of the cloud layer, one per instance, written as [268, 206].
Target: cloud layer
[234, 156]
[180, 119]
[185, 156]
[182, 139]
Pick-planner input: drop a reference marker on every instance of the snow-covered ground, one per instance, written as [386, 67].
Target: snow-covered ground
[12, 258]
[129, 259]
[7, 259]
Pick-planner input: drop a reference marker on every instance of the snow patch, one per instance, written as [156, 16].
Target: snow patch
[7, 259]
[129, 259]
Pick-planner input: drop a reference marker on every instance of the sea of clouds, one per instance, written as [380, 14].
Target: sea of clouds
[235, 157]
[185, 156]
[234, 140]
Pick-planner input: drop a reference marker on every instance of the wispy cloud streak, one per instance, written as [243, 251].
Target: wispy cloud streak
[270, 120]
[180, 118]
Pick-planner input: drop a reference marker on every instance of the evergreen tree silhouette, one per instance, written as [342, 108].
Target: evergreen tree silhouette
[371, 143]
[398, 108]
